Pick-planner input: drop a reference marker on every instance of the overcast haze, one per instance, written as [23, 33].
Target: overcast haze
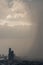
[21, 27]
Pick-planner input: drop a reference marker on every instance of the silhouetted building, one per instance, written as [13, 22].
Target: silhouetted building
[11, 56]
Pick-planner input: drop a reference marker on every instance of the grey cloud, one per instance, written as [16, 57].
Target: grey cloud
[9, 3]
[3, 9]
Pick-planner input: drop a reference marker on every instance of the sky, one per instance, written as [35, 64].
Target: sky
[21, 23]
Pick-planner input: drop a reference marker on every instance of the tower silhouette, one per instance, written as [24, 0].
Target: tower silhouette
[11, 54]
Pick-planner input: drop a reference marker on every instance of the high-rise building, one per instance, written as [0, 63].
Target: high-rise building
[11, 55]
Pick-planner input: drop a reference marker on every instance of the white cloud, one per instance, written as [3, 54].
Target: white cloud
[16, 15]
[9, 16]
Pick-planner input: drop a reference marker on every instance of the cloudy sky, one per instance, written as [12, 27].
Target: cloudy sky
[21, 27]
